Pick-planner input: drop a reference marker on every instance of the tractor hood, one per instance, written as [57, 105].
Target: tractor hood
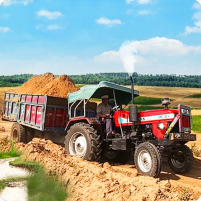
[148, 116]
[123, 94]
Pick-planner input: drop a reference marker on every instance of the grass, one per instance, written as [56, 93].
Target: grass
[30, 165]
[196, 123]
[5, 182]
[96, 99]
[142, 100]
[80, 85]
[194, 96]
[45, 188]
[41, 187]
[12, 152]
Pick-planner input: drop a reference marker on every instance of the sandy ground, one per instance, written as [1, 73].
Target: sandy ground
[103, 181]
[196, 112]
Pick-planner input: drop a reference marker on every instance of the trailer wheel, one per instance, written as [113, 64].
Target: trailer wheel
[147, 159]
[181, 159]
[83, 141]
[29, 134]
[17, 133]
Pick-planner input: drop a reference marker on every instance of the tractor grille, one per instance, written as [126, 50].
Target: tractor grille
[185, 118]
[185, 121]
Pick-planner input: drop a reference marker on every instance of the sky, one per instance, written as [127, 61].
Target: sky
[76, 37]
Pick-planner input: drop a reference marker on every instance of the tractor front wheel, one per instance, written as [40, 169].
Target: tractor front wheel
[147, 159]
[83, 141]
[180, 159]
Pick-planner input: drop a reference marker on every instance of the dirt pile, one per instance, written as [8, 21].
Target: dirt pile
[2, 129]
[93, 181]
[48, 84]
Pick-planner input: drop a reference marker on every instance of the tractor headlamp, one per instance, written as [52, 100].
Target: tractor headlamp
[185, 111]
[161, 126]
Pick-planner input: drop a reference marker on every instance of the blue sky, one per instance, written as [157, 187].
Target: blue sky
[84, 36]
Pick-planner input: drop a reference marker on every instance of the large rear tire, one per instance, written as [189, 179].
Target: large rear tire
[181, 159]
[83, 141]
[147, 159]
[17, 133]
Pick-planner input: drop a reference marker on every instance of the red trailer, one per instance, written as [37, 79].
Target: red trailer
[36, 114]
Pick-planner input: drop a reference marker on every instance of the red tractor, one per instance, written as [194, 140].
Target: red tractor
[149, 135]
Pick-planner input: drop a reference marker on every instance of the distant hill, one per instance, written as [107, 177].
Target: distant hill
[188, 81]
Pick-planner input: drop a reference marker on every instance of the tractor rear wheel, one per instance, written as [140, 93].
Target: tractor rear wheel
[83, 141]
[147, 159]
[17, 133]
[181, 159]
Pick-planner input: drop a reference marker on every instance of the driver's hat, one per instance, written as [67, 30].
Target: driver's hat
[105, 96]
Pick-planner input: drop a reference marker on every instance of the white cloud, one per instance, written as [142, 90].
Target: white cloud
[108, 22]
[4, 29]
[154, 51]
[144, 1]
[154, 46]
[197, 22]
[49, 15]
[139, 1]
[144, 12]
[49, 27]
[110, 56]
[12, 2]
[54, 27]
[196, 5]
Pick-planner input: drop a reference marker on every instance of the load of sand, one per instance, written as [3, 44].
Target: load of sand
[48, 84]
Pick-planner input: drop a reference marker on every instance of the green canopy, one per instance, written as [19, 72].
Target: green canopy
[122, 94]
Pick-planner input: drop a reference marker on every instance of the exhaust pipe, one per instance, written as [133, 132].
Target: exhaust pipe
[133, 113]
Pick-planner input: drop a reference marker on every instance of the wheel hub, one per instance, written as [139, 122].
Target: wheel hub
[144, 161]
[78, 145]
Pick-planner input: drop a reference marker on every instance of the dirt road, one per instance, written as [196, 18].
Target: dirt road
[103, 181]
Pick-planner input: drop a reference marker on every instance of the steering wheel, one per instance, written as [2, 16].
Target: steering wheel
[115, 108]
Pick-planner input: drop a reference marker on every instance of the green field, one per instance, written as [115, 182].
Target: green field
[196, 123]
[142, 100]
[194, 96]
[147, 107]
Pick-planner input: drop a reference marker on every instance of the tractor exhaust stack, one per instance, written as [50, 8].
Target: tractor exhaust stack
[133, 113]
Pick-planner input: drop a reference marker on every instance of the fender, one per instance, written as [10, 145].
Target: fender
[81, 119]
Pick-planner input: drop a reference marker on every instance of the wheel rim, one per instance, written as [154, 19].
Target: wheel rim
[78, 145]
[144, 161]
[178, 163]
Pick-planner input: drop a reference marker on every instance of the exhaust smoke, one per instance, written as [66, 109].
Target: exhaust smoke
[128, 58]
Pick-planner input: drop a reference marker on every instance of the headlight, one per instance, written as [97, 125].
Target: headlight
[161, 126]
[185, 111]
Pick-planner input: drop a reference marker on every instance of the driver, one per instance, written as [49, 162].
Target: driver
[103, 111]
